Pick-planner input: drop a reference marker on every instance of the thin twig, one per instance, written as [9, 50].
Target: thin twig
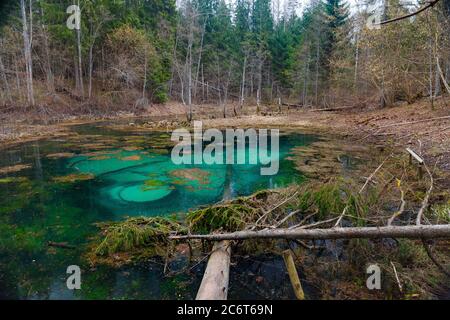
[286, 218]
[272, 209]
[402, 206]
[425, 201]
[396, 277]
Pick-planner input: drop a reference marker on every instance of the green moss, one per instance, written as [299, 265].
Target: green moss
[229, 217]
[71, 178]
[13, 180]
[153, 184]
[150, 234]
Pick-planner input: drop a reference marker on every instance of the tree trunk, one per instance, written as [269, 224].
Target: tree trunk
[305, 79]
[91, 66]
[259, 89]
[430, 75]
[27, 51]
[80, 64]
[199, 59]
[241, 101]
[145, 74]
[355, 80]
[317, 74]
[5, 80]
[214, 285]
[49, 72]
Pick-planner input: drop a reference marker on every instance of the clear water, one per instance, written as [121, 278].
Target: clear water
[132, 174]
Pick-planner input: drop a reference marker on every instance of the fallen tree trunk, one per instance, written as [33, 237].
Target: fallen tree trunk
[214, 284]
[334, 109]
[410, 232]
[291, 105]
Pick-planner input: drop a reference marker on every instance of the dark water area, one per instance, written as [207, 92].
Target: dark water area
[70, 183]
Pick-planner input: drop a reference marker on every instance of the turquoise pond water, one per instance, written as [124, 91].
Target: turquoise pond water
[95, 175]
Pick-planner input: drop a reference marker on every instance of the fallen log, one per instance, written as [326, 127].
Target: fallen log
[410, 232]
[333, 109]
[291, 105]
[214, 284]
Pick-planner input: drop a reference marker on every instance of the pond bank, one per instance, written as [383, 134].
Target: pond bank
[400, 126]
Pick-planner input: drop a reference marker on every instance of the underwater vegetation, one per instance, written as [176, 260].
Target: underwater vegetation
[74, 177]
[14, 168]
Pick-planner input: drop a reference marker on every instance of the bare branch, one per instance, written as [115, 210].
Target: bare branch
[409, 232]
[430, 4]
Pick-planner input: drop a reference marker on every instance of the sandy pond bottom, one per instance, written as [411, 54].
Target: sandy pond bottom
[56, 190]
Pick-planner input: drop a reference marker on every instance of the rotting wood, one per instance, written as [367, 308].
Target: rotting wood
[410, 232]
[215, 280]
[293, 275]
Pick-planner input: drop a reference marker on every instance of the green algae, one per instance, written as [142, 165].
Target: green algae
[10, 180]
[39, 209]
[135, 238]
[192, 174]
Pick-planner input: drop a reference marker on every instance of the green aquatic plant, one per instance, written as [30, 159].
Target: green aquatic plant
[192, 174]
[145, 234]
[239, 213]
[153, 184]
[74, 177]
[9, 180]
[226, 217]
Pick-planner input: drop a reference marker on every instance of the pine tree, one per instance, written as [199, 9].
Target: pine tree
[336, 14]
